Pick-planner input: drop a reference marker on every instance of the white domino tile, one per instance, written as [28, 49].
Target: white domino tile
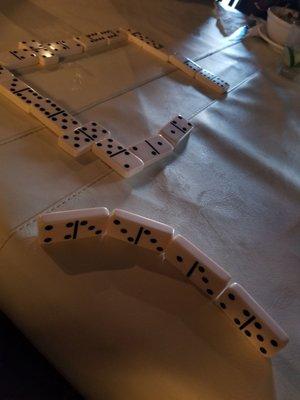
[139, 231]
[66, 48]
[211, 81]
[92, 41]
[207, 275]
[185, 64]
[119, 158]
[67, 226]
[18, 92]
[252, 320]
[152, 149]
[54, 117]
[46, 57]
[5, 74]
[176, 130]
[81, 139]
[18, 59]
[32, 44]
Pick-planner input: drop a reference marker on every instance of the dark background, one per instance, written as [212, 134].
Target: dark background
[24, 373]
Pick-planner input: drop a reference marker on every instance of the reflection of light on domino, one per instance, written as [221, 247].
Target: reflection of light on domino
[46, 57]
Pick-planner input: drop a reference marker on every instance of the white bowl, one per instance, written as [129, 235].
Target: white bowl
[278, 29]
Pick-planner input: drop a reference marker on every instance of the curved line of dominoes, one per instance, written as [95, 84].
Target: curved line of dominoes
[77, 138]
[246, 314]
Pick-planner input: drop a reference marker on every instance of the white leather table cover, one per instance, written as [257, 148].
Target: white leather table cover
[120, 324]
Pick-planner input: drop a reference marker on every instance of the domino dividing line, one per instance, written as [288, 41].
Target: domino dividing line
[73, 137]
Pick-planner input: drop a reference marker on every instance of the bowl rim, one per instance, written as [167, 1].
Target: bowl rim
[276, 18]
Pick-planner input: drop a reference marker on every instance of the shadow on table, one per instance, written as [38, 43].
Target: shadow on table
[108, 254]
[25, 373]
[172, 295]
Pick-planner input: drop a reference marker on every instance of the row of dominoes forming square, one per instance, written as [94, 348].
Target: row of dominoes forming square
[204, 77]
[77, 138]
[34, 53]
[246, 314]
